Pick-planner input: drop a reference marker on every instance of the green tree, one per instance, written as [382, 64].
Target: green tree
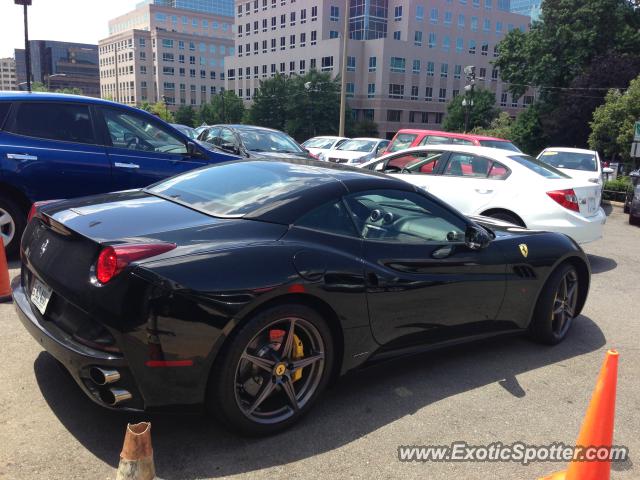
[499, 127]
[613, 122]
[185, 115]
[161, 110]
[269, 103]
[146, 106]
[226, 107]
[527, 132]
[481, 114]
[362, 128]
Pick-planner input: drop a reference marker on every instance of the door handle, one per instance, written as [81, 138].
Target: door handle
[21, 156]
[126, 165]
[483, 190]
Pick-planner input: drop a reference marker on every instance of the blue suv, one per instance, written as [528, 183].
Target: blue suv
[62, 146]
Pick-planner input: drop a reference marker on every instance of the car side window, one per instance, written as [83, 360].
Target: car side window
[136, 132]
[4, 110]
[212, 136]
[415, 162]
[332, 217]
[435, 140]
[67, 122]
[498, 171]
[461, 141]
[466, 165]
[227, 137]
[399, 216]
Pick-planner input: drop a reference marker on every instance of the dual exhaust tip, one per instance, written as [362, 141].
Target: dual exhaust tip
[111, 396]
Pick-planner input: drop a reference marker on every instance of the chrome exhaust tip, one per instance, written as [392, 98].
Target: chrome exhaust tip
[115, 396]
[101, 376]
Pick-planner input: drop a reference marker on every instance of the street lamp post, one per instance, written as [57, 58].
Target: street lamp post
[222, 102]
[470, 75]
[343, 70]
[27, 50]
[310, 88]
[49, 77]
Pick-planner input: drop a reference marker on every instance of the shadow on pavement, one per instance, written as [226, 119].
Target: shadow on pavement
[188, 447]
[608, 208]
[601, 264]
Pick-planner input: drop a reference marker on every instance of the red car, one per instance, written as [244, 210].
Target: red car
[409, 137]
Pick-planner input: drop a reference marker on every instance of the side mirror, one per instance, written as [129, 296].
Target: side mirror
[193, 151]
[476, 238]
[607, 170]
[229, 147]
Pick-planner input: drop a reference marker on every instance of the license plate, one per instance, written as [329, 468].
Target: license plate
[40, 295]
[591, 204]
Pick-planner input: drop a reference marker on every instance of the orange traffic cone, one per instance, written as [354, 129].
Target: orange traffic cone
[5, 288]
[597, 427]
[136, 459]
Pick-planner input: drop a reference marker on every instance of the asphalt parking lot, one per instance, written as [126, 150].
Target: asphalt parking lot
[503, 390]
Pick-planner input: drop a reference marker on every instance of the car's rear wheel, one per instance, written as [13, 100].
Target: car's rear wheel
[557, 306]
[272, 371]
[12, 223]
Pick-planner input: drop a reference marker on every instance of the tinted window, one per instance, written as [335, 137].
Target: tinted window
[211, 135]
[238, 188]
[461, 141]
[4, 110]
[395, 215]
[332, 217]
[415, 162]
[499, 144]
[571, 160]
[358, 146]
[136, 132]
[256, 140]
[322, 143]
[435, 140]
[54, 121]
[537, 166]
[402, 142]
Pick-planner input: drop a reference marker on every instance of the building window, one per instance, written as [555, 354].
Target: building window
[396, 90]
[416, 66]
[327, 64]
[414, 92]
[459, 44]
[455, 93]
[351, 64]
[442, 95]
[514, 101]
[472, 47]
[432, 39]
[457, 71]
[503, 100]
[350, 90]
[439, 117]
[431, 68]
[398, 64]
[444, 70]
[167, 43]
[168, 71]
[314, 14]
[394, 115]
[397, 13]
[371, 90]
[292, 41]
[494, 75]
[334, 14]
[498, 28]
[333, 34]
[461, 21]
[420, 13]
[417, 38]
[303, 67]
[495, 51]
[372, 64]
[528, 100]
[314, 37]
[486, 26]
[446, 43]
[428, 94]
[397, 35]
[434, 15]
[474, 24]
[484, 49]
[448, 18]
[483, 73]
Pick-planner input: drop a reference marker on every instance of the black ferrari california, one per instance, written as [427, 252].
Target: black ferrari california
[246, 287]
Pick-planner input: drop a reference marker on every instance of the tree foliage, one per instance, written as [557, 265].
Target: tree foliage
[481, 114]
[185, 115]
[578, 50]
[269, 103]
[226, 107]
[613, 122]
[41, 87]
[160, 110]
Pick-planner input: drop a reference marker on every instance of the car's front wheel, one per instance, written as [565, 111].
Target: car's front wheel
[633, 220]
[272, 371]
[557, 306]
[12, 224]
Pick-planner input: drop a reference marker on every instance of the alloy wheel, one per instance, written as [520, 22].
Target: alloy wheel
[7, 227]
[279, 370]
[564, 304]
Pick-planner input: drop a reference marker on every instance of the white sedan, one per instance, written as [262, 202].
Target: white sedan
[321, 145]
[356, 150]
[502, 184]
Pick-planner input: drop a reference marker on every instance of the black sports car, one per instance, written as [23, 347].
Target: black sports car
[246, 286]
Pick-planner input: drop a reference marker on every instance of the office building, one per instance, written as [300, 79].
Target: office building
[530, 8]
[61, 65]
[405, 58]
[8, 79]
[160, 52]
[213, 7]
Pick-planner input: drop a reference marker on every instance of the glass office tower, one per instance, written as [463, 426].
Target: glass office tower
[368, 19]
[215, 7]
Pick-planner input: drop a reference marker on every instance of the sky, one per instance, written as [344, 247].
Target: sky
[83, 21]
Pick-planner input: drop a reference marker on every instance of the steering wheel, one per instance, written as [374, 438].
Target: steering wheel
[134, 142]
[393, 169]
[405, 170]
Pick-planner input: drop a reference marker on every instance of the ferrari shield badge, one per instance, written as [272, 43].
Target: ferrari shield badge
[524, 250]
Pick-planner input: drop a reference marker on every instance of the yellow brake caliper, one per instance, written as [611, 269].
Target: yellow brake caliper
[298, 352]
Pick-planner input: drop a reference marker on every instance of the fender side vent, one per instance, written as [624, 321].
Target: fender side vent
[524, 271]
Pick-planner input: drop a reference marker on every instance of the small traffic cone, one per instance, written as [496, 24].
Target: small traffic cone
[136, 459]
[5, 287]
[597, 427]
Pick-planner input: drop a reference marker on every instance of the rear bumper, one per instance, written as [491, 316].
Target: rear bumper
[75, 357]
[581, 229]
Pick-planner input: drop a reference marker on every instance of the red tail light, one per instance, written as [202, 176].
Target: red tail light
[566, 198]
[33, 211]
[112, 260]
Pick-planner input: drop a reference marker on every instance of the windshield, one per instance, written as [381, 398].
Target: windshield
[402, 142]
[256, 140]
[235, 189]
[571, 160]
[321, 143]
[500, 144]
[358, 145]
[539, 167]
